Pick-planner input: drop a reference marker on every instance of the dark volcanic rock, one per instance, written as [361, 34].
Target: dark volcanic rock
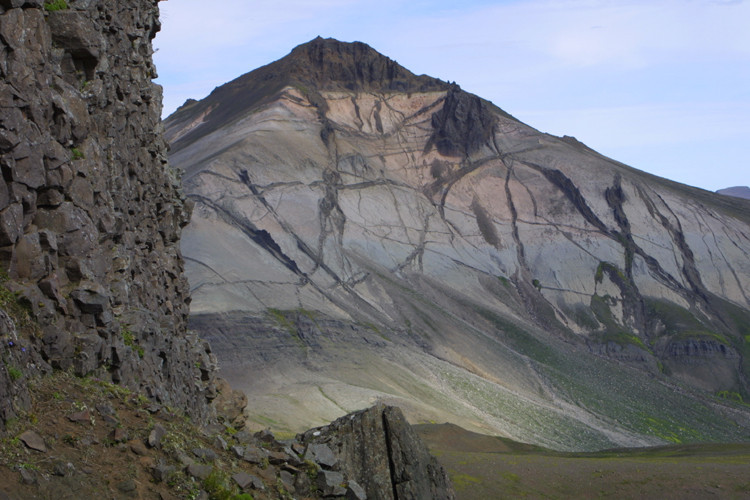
[33, 441]
[380, 451]
[90, 211]
[329, 63]
[156, 435]
[463, 125]
[230, 404]
[319, 64]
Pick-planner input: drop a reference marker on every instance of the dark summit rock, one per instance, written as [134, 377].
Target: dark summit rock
[321, 64]
[330, 64]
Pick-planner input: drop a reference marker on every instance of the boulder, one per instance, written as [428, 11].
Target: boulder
[378, 449]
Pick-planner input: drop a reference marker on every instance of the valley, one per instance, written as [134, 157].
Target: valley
[486, 467]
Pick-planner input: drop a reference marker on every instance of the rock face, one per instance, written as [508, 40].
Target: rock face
[90, 211]
[376, 235]
[380, 451]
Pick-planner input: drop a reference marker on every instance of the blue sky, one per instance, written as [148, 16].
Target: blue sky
[662, 85]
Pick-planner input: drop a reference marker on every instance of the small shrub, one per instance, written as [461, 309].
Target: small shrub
[215, 486]
[731, 395]
[69, 439]
[129, 340]
[14, 373]
[312, 470]
[76, 154]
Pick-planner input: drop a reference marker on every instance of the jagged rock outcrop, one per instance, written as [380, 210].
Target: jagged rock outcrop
[379, 450]
[90, 210]
[377, 235]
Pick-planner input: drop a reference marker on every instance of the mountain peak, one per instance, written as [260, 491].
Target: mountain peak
[330, 64]
[318, 65]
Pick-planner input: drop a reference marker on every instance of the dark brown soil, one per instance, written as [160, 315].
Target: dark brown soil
[108, 457]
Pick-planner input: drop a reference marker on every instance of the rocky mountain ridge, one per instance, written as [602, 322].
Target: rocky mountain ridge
[415, 243]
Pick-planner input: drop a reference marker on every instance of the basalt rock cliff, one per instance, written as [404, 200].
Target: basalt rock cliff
[90, 211]
[364, 234]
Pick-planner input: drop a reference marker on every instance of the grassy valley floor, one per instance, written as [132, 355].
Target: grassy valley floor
[489, 467]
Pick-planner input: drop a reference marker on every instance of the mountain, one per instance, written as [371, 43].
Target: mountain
[362, 234]
[736, 191]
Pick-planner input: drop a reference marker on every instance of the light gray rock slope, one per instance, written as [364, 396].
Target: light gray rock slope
[363, 234]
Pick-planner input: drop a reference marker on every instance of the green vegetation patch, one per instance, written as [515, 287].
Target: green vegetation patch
[732, 396]
[129, 340]
[521, 340]
[583, 317]
[13, 303]
[702, 335]
[682, 324]
[611, 270]
[463, 481]
[613, 332]
[287, 321]
[53, 5]
[14, 373]
[621, 338]
[76, 154]
[675, 318]
[219, 487]
[669, 430]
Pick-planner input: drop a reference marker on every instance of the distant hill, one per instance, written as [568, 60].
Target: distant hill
[736, 191]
